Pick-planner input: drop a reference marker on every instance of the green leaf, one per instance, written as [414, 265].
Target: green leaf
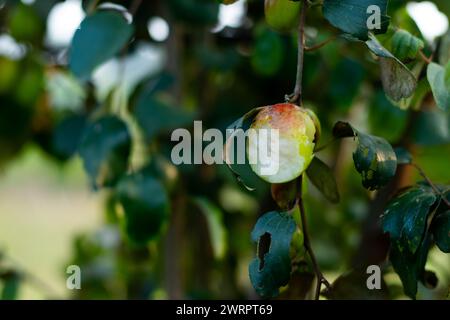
[441, 231]
[403, 155]
[11, 283]
[374, 157]
[67, 135]
[439, 79]
[405, 45]
[243, 123]
[351, 16]
[410, 267]
[99, 37]
[105, 148]
[268, 52]
[272, 268]
[398, 81]
[217, 230]
[323, 178]
[155, 115]
[375, 160]
[405, 217]
[146, 206]
[195, 12]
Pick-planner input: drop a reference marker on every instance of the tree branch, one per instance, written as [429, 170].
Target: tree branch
[321, 44]
[307, 242]
[296, 97]
[432, 185]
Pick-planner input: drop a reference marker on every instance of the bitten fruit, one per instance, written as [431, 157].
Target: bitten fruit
[298, 130]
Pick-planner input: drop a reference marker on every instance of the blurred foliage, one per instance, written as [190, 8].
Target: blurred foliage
[184, 231]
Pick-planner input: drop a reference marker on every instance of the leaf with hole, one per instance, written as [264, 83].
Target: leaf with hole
[398, 81]
[146, 206]
[323, 178]
[357, 17]
[439, 79]
[272, 267]
[105, 148]
[99, 37]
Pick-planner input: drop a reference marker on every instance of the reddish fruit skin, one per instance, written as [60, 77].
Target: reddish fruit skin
[297, 131]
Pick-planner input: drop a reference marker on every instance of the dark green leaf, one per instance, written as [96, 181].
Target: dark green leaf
[398, 81]
[441, 231]
[155, 116]
[105, 148]
[146, 206]
[405, 217]
[351, 16]
[272, 268]
[11, 283]
[403, 155]
[405, 45]
[374, 157]
[375, 160]
[410, 267]
[439, 79]
[196, 12]
[323, 178]
[98, 39]
[268, 52]
[67, 135]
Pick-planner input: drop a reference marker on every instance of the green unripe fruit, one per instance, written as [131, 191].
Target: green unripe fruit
[282, 15]
[293, 151]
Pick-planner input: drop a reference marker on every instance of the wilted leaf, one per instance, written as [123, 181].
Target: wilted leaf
[272, 269]
[99, 37]
[398, 81]
[352, 16]
[405, 217]
[323, 178]
[105, 148]
[439, 79]
[441, 231]
[146, 206]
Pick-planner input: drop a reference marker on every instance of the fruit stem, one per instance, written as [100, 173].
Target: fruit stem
[307, 242]
[296, 97]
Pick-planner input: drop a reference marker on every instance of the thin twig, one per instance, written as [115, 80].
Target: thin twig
[296, 97]
[432, 185]
[93, 6]
[307, 242]
[320, 45]
[425, 58]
